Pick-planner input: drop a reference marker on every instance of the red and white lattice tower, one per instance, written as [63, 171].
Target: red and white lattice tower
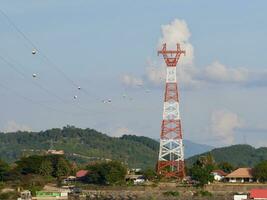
[171, 152]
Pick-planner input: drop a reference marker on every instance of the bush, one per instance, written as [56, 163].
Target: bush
[8, 196]
[150, 174]
[32, 182]
[106, 173]
[203, 193]
[34, 189]
[171, 193]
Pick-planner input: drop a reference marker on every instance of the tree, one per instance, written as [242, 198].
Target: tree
[62, 168]
[201, 174]
[3, 170]
[29, 165]
[150, 174]
[46, 168]
[226, 167]
[106, 173]
[201, 170]
[260, 171]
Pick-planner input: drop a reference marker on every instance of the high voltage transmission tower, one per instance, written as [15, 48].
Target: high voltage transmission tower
[171, 152]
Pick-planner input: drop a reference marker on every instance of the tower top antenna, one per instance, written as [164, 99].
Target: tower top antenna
[171, 57]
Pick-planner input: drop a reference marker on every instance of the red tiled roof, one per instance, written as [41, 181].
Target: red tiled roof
[241, 173]
[258, 193]
[81, 173]
[219, 172]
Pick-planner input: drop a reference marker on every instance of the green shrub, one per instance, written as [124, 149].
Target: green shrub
[8, 196]
[203, 193]
[171, 193]
[34, 189]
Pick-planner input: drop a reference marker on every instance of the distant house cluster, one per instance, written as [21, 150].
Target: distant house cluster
[240, 175]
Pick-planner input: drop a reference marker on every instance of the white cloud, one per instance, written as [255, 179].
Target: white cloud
[120, 131]
[223, 125]
[156, 74]
[220, 73]
[131, 81]
[189, 76]
[13, 126]
[177, 32]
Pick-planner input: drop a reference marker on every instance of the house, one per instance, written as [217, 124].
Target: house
[81, 174]
[218, 174]
[240, 175]
[55, 152]
[258, 194]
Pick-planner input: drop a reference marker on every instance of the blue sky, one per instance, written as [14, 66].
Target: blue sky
[97, 44]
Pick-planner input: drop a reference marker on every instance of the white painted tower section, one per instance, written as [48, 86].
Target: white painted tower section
[171, 148]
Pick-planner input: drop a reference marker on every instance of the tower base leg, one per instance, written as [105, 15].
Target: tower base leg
[171, 169]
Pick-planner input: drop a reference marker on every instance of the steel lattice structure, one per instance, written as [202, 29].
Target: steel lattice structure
[171, 152]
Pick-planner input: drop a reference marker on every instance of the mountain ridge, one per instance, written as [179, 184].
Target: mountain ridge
[239, 155]
[84, 145]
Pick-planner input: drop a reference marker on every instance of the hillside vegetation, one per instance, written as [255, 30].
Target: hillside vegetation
[81, 145]
[84, 145]
[241, 155]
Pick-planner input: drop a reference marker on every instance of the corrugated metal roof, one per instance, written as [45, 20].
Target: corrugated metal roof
[258, 193]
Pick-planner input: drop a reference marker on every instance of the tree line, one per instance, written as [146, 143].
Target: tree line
[204, 165]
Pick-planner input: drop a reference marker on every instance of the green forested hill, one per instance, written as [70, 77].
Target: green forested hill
[84, 145]
[238, 155]
[81, 145]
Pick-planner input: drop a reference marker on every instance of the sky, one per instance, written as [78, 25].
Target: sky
[109, 49]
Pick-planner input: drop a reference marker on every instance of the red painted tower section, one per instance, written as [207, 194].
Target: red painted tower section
[171, 152]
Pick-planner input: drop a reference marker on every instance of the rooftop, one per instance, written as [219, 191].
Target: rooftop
[258, 193]
[219, 172]
[241, 173]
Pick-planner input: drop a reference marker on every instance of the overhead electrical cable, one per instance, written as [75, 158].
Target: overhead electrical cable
[9, 64]
[45, 57]
[38, 103]
[37, 52]
[59, 98]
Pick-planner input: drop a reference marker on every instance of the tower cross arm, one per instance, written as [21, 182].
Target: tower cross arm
[171, 57]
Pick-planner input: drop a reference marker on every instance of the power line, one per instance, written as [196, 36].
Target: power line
[60, 99]
[46, 58]
[35, 102]
[34, 82]
[51, 63]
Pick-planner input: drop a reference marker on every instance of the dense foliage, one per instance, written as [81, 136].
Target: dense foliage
[225, 166]
[149, 174]
[106, 173]
[236, 155]
[80, 145]
[50, 165]
[201, 170]
[33, 172]
[260, 171]
[3, 170]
